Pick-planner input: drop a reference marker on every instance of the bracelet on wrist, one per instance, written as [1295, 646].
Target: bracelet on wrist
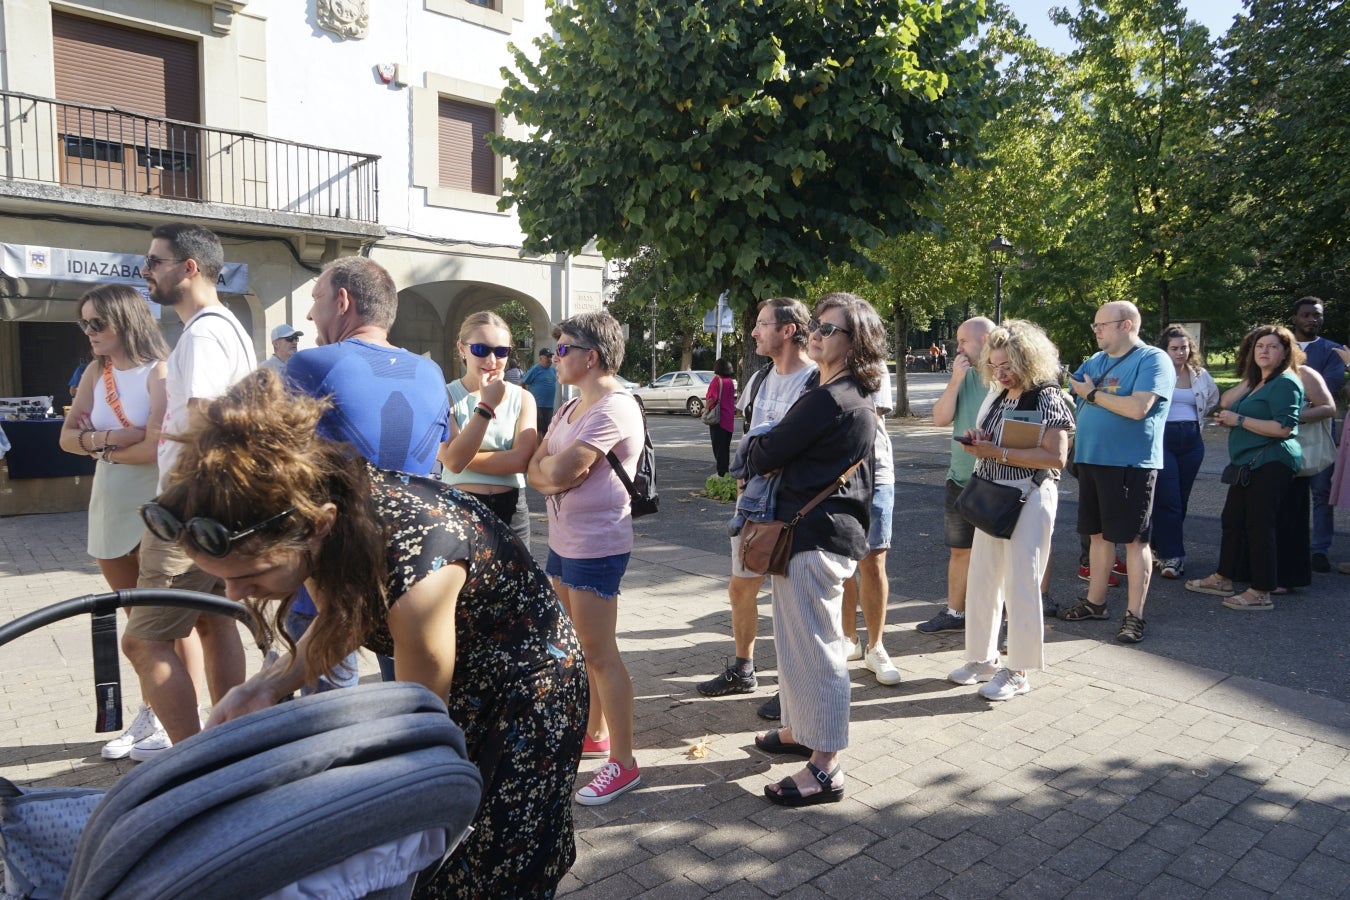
[86, 447]
[108, 452]
[483, 411]
[489, 407]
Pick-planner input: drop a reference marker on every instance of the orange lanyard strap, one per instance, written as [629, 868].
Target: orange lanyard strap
[110, 394]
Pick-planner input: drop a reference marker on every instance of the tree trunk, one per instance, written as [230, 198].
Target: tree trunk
[901, 373]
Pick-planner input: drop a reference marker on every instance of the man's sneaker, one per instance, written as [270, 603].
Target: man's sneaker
[732, 681]
[770, 709]
[853, 649]
[1118, 567]
[144, 725]
[973, 672]
[148, 748]
[1006, 685]
[1085, 573]
[611, 781]
[1049, 606]
[879, 661]
[943, 621]
[1171, 568]
[593, 749]
[1320, 563]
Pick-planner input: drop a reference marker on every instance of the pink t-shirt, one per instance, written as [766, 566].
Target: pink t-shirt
[594, 519]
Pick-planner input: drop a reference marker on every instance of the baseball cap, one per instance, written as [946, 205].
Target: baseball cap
[546, 352]
[285, 331]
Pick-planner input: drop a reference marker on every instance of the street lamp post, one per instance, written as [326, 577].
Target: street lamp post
[1000, 250]
[653, 339]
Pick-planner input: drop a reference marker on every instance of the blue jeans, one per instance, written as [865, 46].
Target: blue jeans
[1323, 516]
[344, 676]
[1183, 451]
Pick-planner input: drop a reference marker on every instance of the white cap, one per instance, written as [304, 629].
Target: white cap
[285, 331]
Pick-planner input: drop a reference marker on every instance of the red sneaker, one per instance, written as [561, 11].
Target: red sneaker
[1119, 567]
[593, 749]
[611, 781]
[1085, 573]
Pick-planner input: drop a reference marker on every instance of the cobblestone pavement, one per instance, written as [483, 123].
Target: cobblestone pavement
[1125, 772]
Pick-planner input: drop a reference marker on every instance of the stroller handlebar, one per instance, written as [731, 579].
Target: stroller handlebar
[97, 604]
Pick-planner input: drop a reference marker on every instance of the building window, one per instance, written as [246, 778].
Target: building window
[497, 15]
[467, 163]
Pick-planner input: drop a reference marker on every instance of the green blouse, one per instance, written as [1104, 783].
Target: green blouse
[1278, 400]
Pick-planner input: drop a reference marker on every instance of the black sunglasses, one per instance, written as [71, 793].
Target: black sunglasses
[825, 328]
[564, 349]
[207, 535]
[92, 326]
[482, 350]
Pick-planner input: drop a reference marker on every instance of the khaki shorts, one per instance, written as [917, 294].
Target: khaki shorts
[737, 570]
[165, 565]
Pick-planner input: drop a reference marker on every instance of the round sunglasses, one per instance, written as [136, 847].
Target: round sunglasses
[206, 535]
[482, 350]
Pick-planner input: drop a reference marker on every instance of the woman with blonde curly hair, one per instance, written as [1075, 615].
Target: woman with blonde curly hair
[1025, 364]
[404, 566]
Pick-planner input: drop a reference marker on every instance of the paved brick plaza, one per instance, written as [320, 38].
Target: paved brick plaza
[1123, 773]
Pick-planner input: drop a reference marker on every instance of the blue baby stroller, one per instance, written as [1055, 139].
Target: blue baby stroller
[344, 794]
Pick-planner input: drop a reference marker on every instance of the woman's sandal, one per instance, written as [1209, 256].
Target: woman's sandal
[788, 794]
[1249, 600]
[1211, 585]
[1084, 610]
[772, 742]
[1131, 629]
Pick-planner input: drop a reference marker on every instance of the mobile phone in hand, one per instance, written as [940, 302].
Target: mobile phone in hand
[962, 439]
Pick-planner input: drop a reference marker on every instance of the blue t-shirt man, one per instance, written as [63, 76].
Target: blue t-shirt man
[542, 381]
[389, 403]
[1106, 439]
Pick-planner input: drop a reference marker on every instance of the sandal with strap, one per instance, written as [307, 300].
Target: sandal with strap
[772, 742]
[1131, 630]
[1084, 610]
[788, 794]
[1211, 585]
[1250, 600]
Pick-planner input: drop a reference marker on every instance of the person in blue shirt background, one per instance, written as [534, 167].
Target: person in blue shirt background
[542, 382]
[1306, 322]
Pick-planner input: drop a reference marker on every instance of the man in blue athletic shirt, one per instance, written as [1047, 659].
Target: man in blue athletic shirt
[388, 403]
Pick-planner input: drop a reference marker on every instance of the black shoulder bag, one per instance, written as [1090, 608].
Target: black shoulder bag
[992, 507]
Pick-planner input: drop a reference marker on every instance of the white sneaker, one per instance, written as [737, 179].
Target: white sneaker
[879, 661]
[150, 747]
[853, 648]
[142, 727]
[1006, 685]
[972, 672]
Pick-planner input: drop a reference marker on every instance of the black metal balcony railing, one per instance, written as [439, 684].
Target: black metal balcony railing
[108, 149]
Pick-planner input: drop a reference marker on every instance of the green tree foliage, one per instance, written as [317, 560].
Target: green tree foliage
[1285, 99]
[750, 143]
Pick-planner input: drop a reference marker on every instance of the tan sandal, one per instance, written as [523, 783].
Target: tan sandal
[1249, 600]
[1211, 585]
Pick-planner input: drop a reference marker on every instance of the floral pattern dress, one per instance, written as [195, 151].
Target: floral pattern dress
[519, 689]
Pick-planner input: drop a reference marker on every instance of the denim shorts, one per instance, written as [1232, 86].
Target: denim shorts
[600, 576]
[879, 531]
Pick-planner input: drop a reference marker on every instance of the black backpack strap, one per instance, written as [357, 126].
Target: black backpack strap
[755, 383]
[618, 467]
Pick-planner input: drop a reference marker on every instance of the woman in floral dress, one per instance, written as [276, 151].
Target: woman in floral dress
[395, 563]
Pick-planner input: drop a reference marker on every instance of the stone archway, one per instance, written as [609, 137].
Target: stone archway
[430, 315]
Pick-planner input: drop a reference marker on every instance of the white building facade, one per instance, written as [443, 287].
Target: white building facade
[297, 131]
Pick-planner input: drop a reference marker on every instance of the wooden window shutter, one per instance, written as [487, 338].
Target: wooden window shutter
[139, 71]
[467, 162]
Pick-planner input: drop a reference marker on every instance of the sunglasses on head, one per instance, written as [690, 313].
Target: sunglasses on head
[564, 349]
[482, 350]
[825, 328]
[206, 535]
[92, 326]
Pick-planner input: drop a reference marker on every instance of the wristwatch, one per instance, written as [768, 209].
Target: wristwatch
[1092, 396]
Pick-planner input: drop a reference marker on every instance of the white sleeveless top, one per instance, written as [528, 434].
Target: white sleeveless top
[132, 390]
[500, 435]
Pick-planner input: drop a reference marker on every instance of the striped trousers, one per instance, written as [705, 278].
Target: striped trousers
[813, 680]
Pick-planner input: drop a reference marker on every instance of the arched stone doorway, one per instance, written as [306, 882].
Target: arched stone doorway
[430, 315]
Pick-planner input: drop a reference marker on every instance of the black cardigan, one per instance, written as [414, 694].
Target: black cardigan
[827, 430]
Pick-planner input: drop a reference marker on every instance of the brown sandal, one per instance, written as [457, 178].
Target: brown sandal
[1211, 585]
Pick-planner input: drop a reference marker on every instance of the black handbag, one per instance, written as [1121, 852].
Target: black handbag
[991, 507]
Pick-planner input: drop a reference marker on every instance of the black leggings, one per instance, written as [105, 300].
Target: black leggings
[721, 441]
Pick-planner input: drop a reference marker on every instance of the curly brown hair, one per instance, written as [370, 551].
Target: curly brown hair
[257, 454]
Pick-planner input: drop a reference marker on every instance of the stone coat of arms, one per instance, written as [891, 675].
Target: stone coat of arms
[345, 18]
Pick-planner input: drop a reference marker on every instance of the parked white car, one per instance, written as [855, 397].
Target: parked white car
[676, 392]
